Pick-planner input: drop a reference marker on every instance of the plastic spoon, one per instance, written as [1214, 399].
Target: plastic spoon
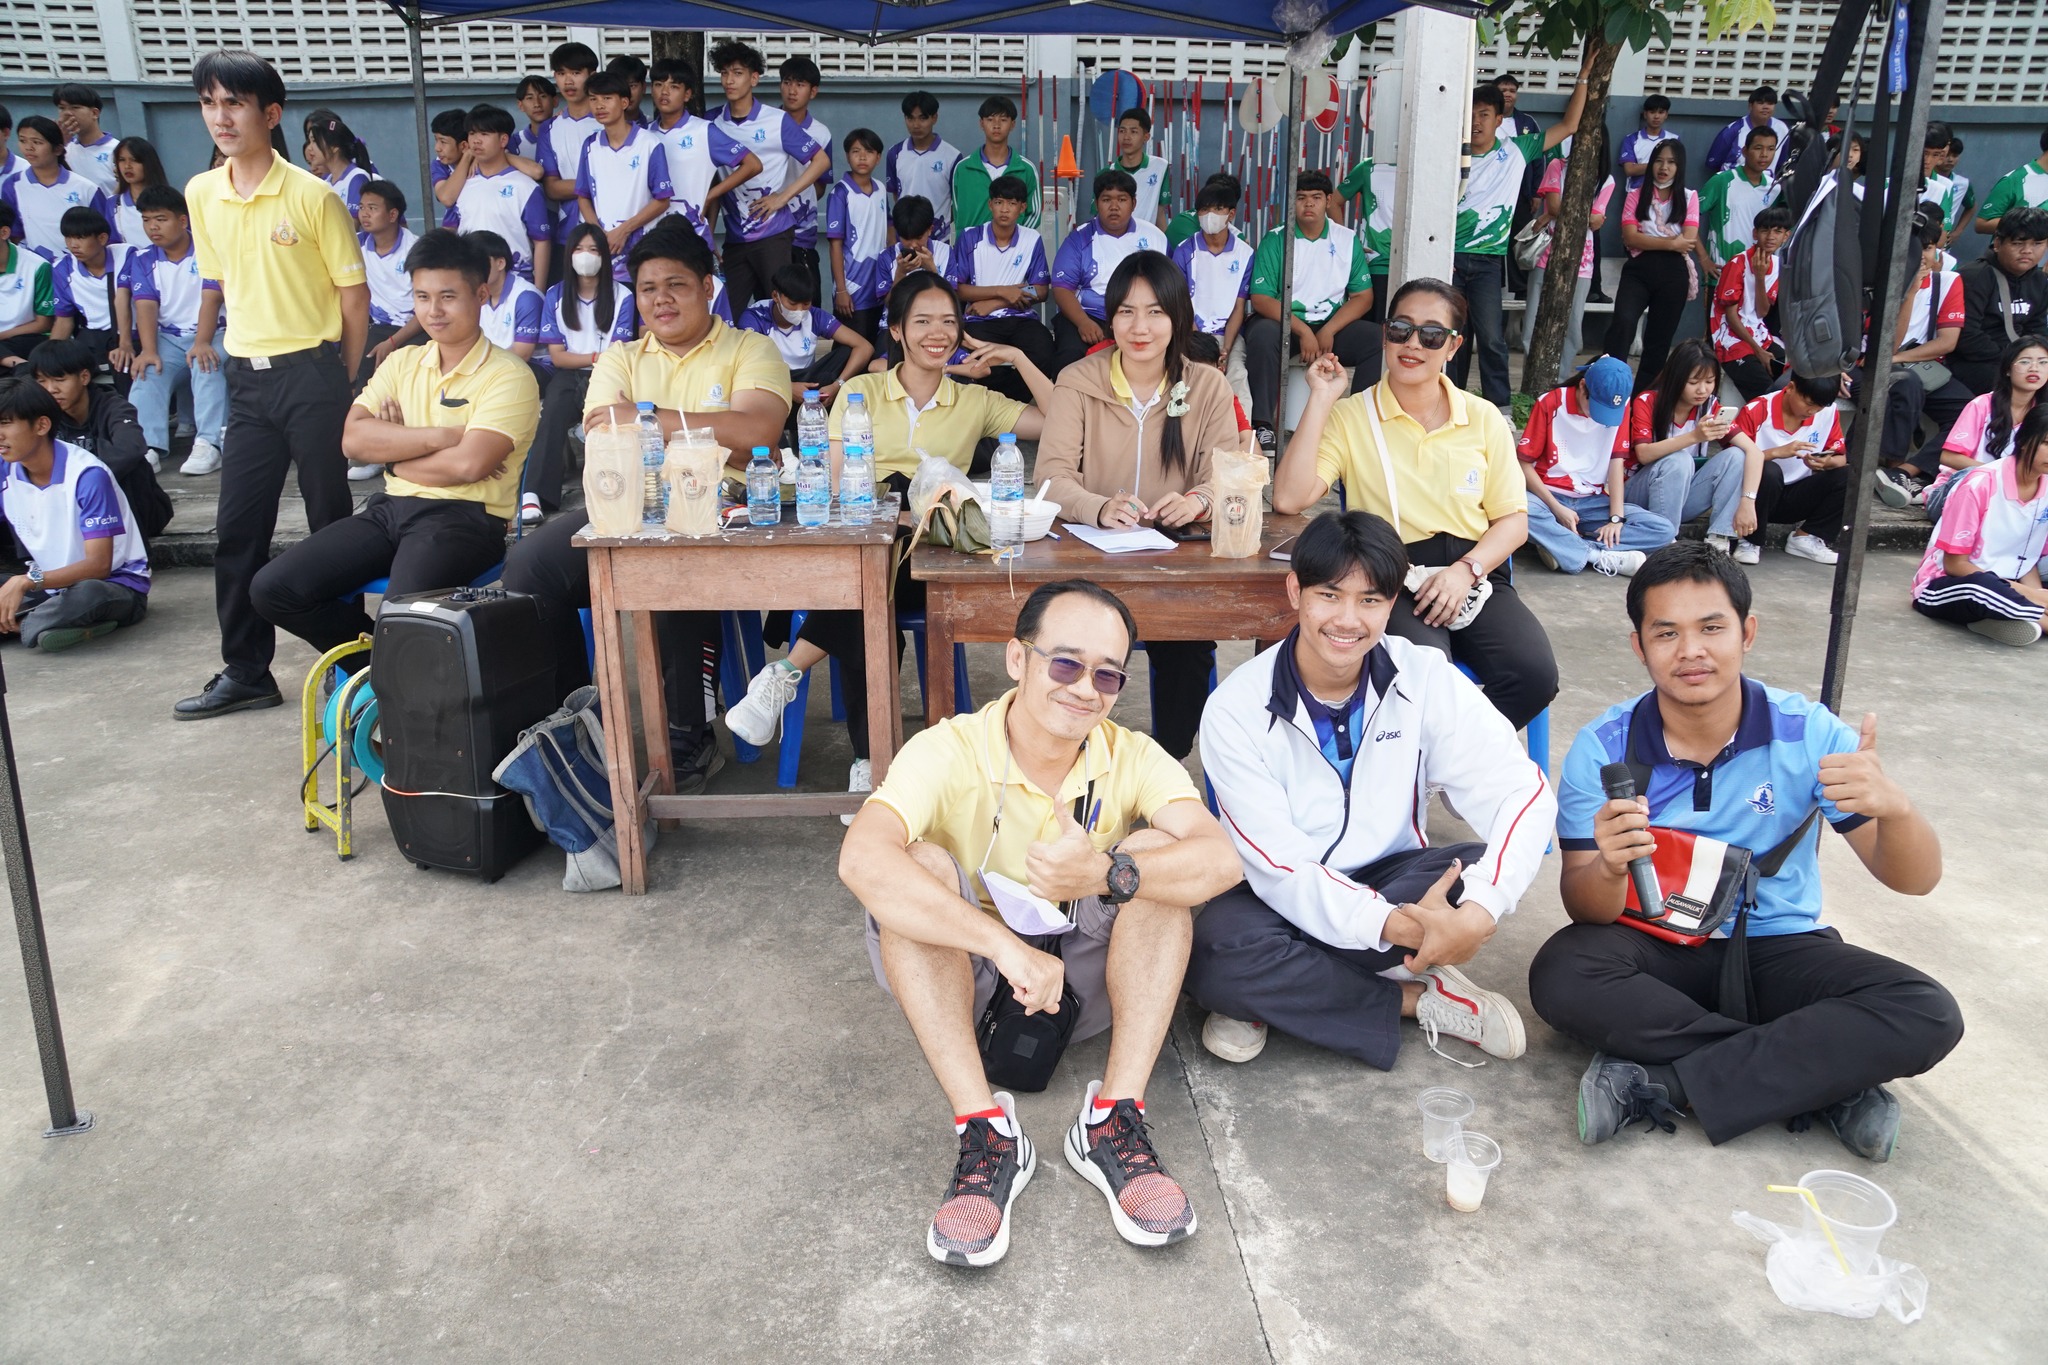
[1042, 490]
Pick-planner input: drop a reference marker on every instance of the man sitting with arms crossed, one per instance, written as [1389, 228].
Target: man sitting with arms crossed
[1322, 751]
[1808, 1024]
[972, 792]
[449, 423]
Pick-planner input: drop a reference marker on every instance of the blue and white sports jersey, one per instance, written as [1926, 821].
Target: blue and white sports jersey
[81, 502]
[516, 316]
[774, 138]
[87, 297]
[798, 343]
[585, 337]
[1090, 256]
[95, 161]
[977, 260]
[390, 283]
[1216, 279]
[699, 153]
[1753, 795]
[175, 286]
[860, 219]
[40, 209]
[526, 142]
[906, 171]
[561, 156]
[804, 208]
[620, 181]
[508, 204]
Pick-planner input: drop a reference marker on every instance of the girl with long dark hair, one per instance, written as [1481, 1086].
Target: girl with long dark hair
[1683, 470]
[1982, 568]
[583, 314]
[344, 162]
[1984, 431]
[137, 167]
[1660, 226]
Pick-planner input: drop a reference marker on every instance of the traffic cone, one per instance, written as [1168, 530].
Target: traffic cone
[1066, 168]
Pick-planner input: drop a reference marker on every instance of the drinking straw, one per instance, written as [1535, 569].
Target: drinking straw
[1818, 1217]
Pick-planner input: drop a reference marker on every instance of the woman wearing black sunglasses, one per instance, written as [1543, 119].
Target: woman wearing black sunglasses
[1440, 464]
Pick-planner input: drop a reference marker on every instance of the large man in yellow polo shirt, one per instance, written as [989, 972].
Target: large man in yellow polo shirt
[450, 423]
[280, 242]
[1035, 795]
[696, 370]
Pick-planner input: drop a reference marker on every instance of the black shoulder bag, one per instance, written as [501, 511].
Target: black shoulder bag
[1019, 1050]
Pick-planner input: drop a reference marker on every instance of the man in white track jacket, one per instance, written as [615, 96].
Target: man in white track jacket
[1323, 752]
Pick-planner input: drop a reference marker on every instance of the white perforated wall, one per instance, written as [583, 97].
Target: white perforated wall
[52, 39]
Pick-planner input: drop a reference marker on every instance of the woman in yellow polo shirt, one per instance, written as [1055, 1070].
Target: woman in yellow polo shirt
[1456, 494]
[917, 410]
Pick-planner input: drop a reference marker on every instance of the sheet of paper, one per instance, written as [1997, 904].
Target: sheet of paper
[1123, 542]
[1028, 914]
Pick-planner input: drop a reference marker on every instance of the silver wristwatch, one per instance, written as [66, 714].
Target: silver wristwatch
[35, 576]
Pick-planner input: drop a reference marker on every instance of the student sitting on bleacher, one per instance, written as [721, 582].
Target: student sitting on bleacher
[1087, 258]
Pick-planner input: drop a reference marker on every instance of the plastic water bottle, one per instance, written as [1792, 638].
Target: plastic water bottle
[654, 494]
[857, 469]
[812, 428]
[764, 489]
[1006, 492]
[813, 487]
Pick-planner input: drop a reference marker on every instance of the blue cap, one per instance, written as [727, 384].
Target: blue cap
[1609, 385]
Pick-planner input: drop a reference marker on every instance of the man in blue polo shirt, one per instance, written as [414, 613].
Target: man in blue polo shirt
[1785, 1020]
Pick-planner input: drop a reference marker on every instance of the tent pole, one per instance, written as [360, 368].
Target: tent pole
[1290, 156]
[416, 55]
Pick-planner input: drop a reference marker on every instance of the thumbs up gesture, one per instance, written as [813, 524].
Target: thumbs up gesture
[1856, 782]
[1068, 867]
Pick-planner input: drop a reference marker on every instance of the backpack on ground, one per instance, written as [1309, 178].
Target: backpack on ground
[558, 768]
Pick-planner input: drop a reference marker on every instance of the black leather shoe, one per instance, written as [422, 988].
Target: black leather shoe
[223, 694]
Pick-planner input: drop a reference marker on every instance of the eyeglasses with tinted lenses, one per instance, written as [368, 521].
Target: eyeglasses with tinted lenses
[1066, 670]
[1432, 335]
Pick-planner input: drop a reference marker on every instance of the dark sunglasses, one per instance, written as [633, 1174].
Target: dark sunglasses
[1065, 671]
[1432, 335]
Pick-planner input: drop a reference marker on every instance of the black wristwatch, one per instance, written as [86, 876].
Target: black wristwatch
[1617, 521]
[1122, 879]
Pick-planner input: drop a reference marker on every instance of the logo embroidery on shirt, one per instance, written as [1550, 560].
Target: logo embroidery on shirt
[716, 395]
[1471, 484]
[1386, 734]
[284, 234]
[1763, 801]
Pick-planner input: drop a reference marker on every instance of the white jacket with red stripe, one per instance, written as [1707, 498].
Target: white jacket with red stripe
[1300, 832]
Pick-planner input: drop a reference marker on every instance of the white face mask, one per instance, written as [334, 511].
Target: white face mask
[1214, 222]
[792, 316]
[586, 263]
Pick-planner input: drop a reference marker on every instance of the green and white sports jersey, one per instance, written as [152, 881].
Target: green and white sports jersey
[1729, 204]
[1374, 186]
[2027, 184]
[1486, 212]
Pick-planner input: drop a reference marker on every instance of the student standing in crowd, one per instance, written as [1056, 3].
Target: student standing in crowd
[1728, 145]
[138, 167]
[1575, 454]
[88, 149]
[1331, 294]
[1439, 466]
[800, 81]
[177, 316]
[1930, 324]
[386, 242]
[495, 196]
[86, 289]
[635, 73]
[1963, 198]
[704, 164]
[535, 97]
[1982, 568]
[1000, 269]
[93, 417]
[923, 162]
[584, 313]
[1552, 188]
[1218, 264]
[859, 231]
[1804, 473]
[1984, 431]
[1637, 146]
[1372, 183]
[760, 231]
[975, 175]
[450, 131]
[47, 189]
[1731, 200]
[622, 180]
[561, 151]
[1152, 176]
[1804, 1024]
[1660, 226]
[291, 276]
[27, 301]
[1744, 297]
[2024, 186]
[2005, 295]
[1681, 468]
[1087, 258]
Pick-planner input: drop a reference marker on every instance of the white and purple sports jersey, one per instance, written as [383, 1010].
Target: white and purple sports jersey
[175, 286]
[798, 342]
[81, 503]
[526, 142]
[561, 156]
[585, 337]
[774, 138]
[390, 283]
[1216, 279]
[907, 171]
[87, 297]
[860, 219]
[721, 306]
[95, 161]
[977, 260]
[805, 206]
[127, 220]
[508, 204]
[698, 152]
[40, 208]
[516, 316]
[349, 185]
[1090, 256]
[620, 181]
[11, 167]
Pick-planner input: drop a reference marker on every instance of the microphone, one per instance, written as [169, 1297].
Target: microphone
[1620, 785]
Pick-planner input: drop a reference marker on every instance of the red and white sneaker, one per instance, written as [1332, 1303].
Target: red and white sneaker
[1148, 1206]
[1451, 1006]
[972, 1226]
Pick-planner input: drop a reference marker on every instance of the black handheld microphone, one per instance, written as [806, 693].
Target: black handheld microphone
[1620, 785]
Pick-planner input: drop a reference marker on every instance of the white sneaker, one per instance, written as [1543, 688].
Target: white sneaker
[758, 715]
[362, 473]
[1748, 552]
[529, 509]
[2007, 632]
[1804, 546]
[1452, 1006]
[860, 779]
[1620, 563]
[204, 459]
[156, 460]
[1233, 1040]
[1721, 543]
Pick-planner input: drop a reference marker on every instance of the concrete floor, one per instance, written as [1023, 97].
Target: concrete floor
[354, 1111]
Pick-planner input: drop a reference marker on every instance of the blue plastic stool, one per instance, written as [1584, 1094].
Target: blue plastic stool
[792, 743]
[377, 587]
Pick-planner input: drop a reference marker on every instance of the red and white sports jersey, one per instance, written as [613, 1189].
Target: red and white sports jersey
[1937, 303]
[1765, 422]
[1642, 430]
[1570, 449]
[1738, 286]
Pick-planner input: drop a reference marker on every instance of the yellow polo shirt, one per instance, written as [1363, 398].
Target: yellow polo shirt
[279, 255]
[491, 389]
[1456, 480]
[947, 781]
[726, 362]
[959, 416]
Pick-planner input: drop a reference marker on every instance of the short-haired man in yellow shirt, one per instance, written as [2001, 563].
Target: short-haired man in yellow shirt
[698, 371]
[948, 855]
[281, 244]
[449, 422]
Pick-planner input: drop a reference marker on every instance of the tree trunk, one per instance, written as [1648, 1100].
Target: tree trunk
[1589, 160]
[685, 45]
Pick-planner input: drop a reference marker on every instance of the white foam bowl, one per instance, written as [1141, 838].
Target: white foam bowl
[1039, 514]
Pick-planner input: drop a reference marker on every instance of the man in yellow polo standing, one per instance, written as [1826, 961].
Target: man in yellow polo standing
[280, 242]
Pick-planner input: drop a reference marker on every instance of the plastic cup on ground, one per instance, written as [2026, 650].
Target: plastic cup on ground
[1855, 1210]
[1472, 1159]
[1444, 1112]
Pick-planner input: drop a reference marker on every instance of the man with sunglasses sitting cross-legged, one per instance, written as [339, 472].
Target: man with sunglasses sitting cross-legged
[982, 824]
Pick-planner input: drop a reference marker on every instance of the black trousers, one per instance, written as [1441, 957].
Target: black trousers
[1180, 689]
[1481, 278]
[561, 408]
[1380, 295]
[1753, 379]
[868, 322]
[557, 575]
[1067, 346]
[1505, 645]
[1250, 963]
[749, 266]
[1944, 405]
[290, 414]
[1028, 335]
[1815, 502]
[1653, 284]
[420, 544]
[1359, 347]
[1978, 376]
[1833, 1018]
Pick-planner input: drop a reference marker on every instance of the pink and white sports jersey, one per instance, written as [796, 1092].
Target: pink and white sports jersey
[621, 180]
[1738, 286]
[1765, 421]
[1985, 520]
[1553, 183]
[906, 170]
[390, 282]
[1569, 448]
[699, 153]
[508, 204]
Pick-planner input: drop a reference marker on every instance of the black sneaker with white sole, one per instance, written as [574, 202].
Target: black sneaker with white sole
[972, 1226]
[1614, 1093]
[1147, 1206]
[1894, 487]
[1867, 1123]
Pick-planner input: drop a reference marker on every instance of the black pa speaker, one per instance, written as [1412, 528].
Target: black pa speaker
[459, 673]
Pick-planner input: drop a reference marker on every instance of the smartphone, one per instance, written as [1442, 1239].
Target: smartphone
[1192, 531]
[1284, 551]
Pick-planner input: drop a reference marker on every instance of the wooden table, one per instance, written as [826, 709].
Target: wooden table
[1181, 594]
[746, 569]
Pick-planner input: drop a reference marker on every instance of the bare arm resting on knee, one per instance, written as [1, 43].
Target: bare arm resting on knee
[1196, 862]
